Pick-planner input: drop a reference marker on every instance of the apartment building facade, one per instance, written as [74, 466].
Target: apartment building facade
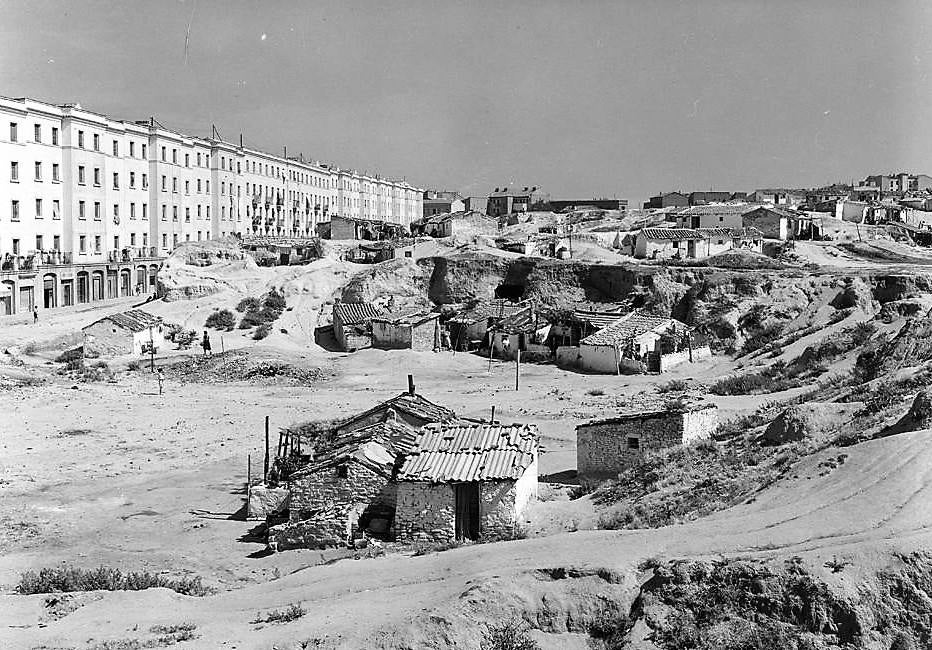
[90, 205]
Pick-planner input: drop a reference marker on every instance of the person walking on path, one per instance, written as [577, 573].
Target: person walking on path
[161, 377]
[206, 345]
[35, 314]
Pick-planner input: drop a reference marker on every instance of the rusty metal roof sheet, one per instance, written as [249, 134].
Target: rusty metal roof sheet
[466, 451]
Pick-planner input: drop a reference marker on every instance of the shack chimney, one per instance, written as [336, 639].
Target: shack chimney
[410, 384]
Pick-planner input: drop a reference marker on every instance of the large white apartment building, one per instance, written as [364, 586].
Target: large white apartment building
[90, 205]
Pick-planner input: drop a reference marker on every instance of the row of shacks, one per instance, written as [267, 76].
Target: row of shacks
[591, 337]
[407, 470]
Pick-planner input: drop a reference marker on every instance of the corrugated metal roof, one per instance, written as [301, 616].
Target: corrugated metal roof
[520, 321]
[466, 451]
[716, 209]
[673, 234]
[629, 326]
[599, 314]
[353, 313]
[498, 308]
[377, 446]
[408, 317]
[413, 405]
[134, 320]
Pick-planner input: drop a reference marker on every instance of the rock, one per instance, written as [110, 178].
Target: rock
[264, 501]
[855, 293]
[360, 543]
[813, 420]
[918, 417]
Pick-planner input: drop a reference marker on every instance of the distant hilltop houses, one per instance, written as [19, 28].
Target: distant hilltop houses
[506, 200]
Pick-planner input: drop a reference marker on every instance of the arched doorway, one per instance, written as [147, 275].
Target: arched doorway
[7, 301]
[84, 287]
[97, 285]
[153, 271]
[126, 283]
[49, 290]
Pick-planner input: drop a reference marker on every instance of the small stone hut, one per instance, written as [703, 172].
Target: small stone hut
[604, 448]
[346, 490]
[466, 480]
[129, 332]
[409, 330]
[352, 324]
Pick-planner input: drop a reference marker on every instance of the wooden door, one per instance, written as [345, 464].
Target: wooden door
[467, 510]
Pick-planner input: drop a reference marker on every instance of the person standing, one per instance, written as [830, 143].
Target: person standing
[35, 314]
[206, 345]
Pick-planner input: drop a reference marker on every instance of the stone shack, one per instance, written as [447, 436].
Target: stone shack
[129, 332]
[408, 330]
[604, 448]
[346, 490]
[465, 480]
[352, 324]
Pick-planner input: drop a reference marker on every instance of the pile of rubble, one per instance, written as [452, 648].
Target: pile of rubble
[235, 365]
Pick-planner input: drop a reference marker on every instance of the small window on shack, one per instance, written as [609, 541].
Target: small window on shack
[341, 471]
[634, 443]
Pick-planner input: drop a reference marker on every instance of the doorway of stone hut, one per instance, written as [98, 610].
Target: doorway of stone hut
[467, 510]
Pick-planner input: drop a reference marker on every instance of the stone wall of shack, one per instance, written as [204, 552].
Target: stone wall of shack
[603, 449]
[426, 512]
[329, 510]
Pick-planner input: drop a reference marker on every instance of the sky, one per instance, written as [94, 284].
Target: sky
[582, 98]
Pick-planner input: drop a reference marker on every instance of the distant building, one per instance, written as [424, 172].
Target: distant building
[667, 200]
[408, 330]
[785, 197]
[476, 204]
[693, 243]
[442, 202]
[565, 205]
[711, 216]
[773, 222]
[464, 224]
[467, 480]
[604, 448]
[702, 198]
[130, 332]
[504, 201]
[900, 183]
[356, 228]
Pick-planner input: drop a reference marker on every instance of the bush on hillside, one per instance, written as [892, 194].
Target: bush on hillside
[261, 332]
[68, 579]
[509, 635]
[248, 304]
[221, 320]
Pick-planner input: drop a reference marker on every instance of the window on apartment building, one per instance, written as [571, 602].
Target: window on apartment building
[198, 212]
[187, 236]
[116, 181]
[97, 210]
[223, 213]
[239, 169]
[82, 213]
[199, 186]
[82, 243]
[56, 173]
[56, 242]
[175, 156]
[208, 211]
[164, 154]
[174, 213]
[206, 187]
[14, 137]
[145, 239]
[145, 210]
[164, 182]
[199, 235]
[187, 215]
[206, 160]
[56, 209]
[132, 210]
[174, 183]
[39, 243]
[116, 148]
[132, 180]
[81, 177]
[37, 132]
[164, 213]
[116, 242]
[198, 159]
[175, 239]
[143, 151]
[97, 243]
[97, 176]
[14, 172]
[132, 239]
[187, 160]
[145, 181]
[16, 246]
[116, 211]
[80, 139]
[38, 208]
[55, 135]
[223, 188]
[164, 240]
[223, 161]
[14, 210]
[132, 149]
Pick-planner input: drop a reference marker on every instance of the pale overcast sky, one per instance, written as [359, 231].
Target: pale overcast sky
[584, 98]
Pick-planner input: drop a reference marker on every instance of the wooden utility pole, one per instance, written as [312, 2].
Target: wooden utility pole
[248, 481]
[517, 368]
[265, 465]
[492, 421]
[151, 351]
[490, 353]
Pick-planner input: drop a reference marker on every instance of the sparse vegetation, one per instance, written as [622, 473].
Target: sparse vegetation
[291, 613]
[423, 548]
[221, 320]
[66, 579]
[248, 304]
[673, 386]
[264, 313]
[595, 392]
[167, 635]
[262, 331]
[71, 355]
[509, 635]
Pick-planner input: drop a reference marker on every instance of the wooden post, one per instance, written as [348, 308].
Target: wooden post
[492, 421]
[617, 361]
[221, 345]
[491, 338]
[151, 351]
[517, 368]
[411, 385]
[248, 481]
[265, 465]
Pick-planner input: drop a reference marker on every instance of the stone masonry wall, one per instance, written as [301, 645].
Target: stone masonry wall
[325, 489]
[668, 361]
[497, 509]
[699, 424]
[425, 512]
[422, 336]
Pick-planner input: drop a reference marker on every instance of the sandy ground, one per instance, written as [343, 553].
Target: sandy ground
[115, 474]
